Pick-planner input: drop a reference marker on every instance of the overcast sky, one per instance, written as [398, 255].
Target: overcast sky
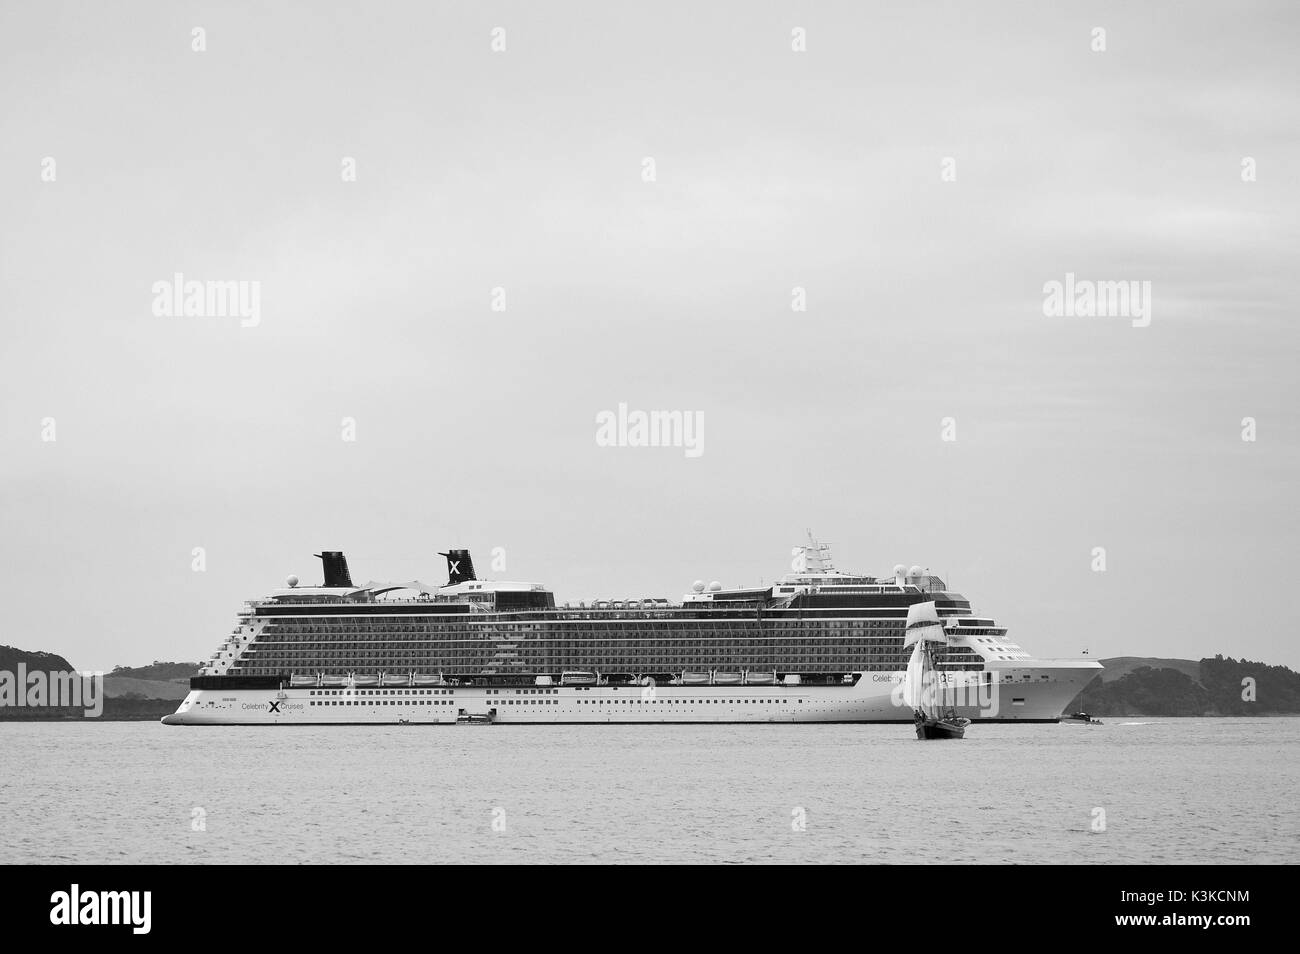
[774, 169]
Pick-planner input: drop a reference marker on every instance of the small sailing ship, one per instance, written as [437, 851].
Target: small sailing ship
[921, 688]
[1080, 718]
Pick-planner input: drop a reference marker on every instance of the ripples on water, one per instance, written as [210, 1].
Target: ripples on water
[1200, 791]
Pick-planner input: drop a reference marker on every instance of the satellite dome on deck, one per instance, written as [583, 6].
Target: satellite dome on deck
[715, 586]
[915, 571]
[899, 569]
[292, 580]
[698, 586]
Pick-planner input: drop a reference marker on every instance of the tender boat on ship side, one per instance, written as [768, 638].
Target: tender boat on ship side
[1080, 718]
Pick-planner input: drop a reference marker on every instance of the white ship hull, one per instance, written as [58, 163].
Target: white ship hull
[1036, 691]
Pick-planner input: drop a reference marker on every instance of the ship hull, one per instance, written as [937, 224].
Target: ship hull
[941, 729]
[1040, 695]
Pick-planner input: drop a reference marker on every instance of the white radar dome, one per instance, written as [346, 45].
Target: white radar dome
[715, 586]
[915, 571]
[899, 569]
[698, 586]
[292, 580]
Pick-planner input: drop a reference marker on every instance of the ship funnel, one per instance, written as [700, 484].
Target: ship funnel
[336, 568]
[460, 568]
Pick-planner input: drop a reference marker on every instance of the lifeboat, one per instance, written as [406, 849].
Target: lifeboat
[578, 678]
[365, 680]
[387, 680]
[760, 678]
[695, 679]
[726, 678]
[427, 680]
[333, 680]
[296, 680]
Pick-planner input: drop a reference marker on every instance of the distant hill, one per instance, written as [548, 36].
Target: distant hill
[157, 670]
[1123, 665]
[45, 662]
[117, 686]
[1277, 688]
[1133, 685]
[35, 661]
[121, 709]
[142, 692]
[160, 680]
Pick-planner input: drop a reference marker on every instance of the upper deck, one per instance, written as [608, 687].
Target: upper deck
[814, 620]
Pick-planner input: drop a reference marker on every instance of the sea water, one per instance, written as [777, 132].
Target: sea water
[1135, 790]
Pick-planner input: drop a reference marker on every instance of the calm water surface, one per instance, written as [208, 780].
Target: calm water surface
[1173, 790]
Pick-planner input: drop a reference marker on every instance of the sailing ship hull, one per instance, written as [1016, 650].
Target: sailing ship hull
[941, 728]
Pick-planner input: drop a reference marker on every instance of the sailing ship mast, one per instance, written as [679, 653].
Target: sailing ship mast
[921, 688]
[923, 629]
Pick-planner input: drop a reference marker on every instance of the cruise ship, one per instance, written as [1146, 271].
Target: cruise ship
[819, 645]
